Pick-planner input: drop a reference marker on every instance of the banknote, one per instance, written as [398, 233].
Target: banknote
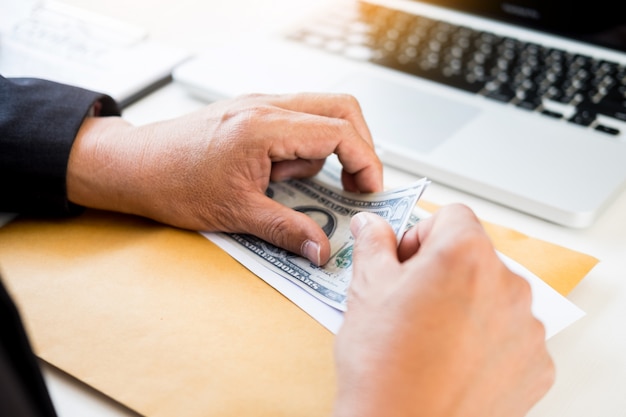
[332, 208]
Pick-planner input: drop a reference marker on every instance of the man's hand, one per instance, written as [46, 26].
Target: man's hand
[209, 170]
[438, 326]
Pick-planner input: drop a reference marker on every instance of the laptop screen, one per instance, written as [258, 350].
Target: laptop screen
[598, 22]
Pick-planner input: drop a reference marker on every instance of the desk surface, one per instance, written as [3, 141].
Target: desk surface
[589, 355]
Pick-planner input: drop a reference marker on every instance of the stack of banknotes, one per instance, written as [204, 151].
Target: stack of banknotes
[332, 208]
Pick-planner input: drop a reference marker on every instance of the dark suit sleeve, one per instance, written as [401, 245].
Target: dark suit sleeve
[39, 121]
[23, 390]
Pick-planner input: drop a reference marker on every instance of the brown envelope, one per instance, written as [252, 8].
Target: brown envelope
[165, 322]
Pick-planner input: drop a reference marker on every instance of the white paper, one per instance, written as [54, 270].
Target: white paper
[551, 308]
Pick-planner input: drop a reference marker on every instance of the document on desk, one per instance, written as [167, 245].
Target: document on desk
[322, 291]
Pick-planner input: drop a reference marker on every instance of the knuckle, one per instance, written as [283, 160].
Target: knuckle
[538, 330]
[522, 291]
[549, 374]
[517, 293]
[251, 97]
[243, 119]
[349, 100]
[342, 124]
[461, 210]
[335, 128]
[468, 248]
[257, 111]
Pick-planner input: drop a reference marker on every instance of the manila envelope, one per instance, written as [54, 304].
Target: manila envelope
[166, 323]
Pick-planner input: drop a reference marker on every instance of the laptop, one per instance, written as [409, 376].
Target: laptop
[521, 102]
[67, 44]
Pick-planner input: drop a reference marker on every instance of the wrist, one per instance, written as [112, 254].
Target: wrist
[96, 171]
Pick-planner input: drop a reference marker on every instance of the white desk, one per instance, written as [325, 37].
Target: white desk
[590, 355]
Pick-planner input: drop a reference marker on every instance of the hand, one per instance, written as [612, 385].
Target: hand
[437, 326]
[209, 170]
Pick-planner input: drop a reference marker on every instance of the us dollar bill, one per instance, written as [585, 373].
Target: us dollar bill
[332, 209]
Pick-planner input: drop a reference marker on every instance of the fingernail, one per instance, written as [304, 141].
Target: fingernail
[311, 251]
[357, 223]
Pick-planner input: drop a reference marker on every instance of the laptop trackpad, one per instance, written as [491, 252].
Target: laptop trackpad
[404, 116]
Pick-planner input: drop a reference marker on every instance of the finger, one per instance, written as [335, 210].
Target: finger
[299, 168]
[289, 229]
[374, 248]
[345, 107]
[446, 225]
[306, 136]
[409, 244]
[342, 106]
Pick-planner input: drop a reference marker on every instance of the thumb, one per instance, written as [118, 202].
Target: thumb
[375, 246]
[289, 229]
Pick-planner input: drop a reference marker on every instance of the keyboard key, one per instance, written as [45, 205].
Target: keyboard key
[553, 114]
[606, 129]
[583, 117]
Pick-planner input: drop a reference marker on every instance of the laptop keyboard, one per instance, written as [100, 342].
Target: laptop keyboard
[554, 82]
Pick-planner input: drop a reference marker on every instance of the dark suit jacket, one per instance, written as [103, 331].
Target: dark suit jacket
[38, 123]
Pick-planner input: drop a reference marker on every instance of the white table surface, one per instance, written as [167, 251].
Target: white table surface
[590, 355]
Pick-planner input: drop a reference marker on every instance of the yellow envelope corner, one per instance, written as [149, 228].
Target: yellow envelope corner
[559, 267]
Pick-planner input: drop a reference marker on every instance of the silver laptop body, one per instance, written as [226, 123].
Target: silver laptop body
[528, 146]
